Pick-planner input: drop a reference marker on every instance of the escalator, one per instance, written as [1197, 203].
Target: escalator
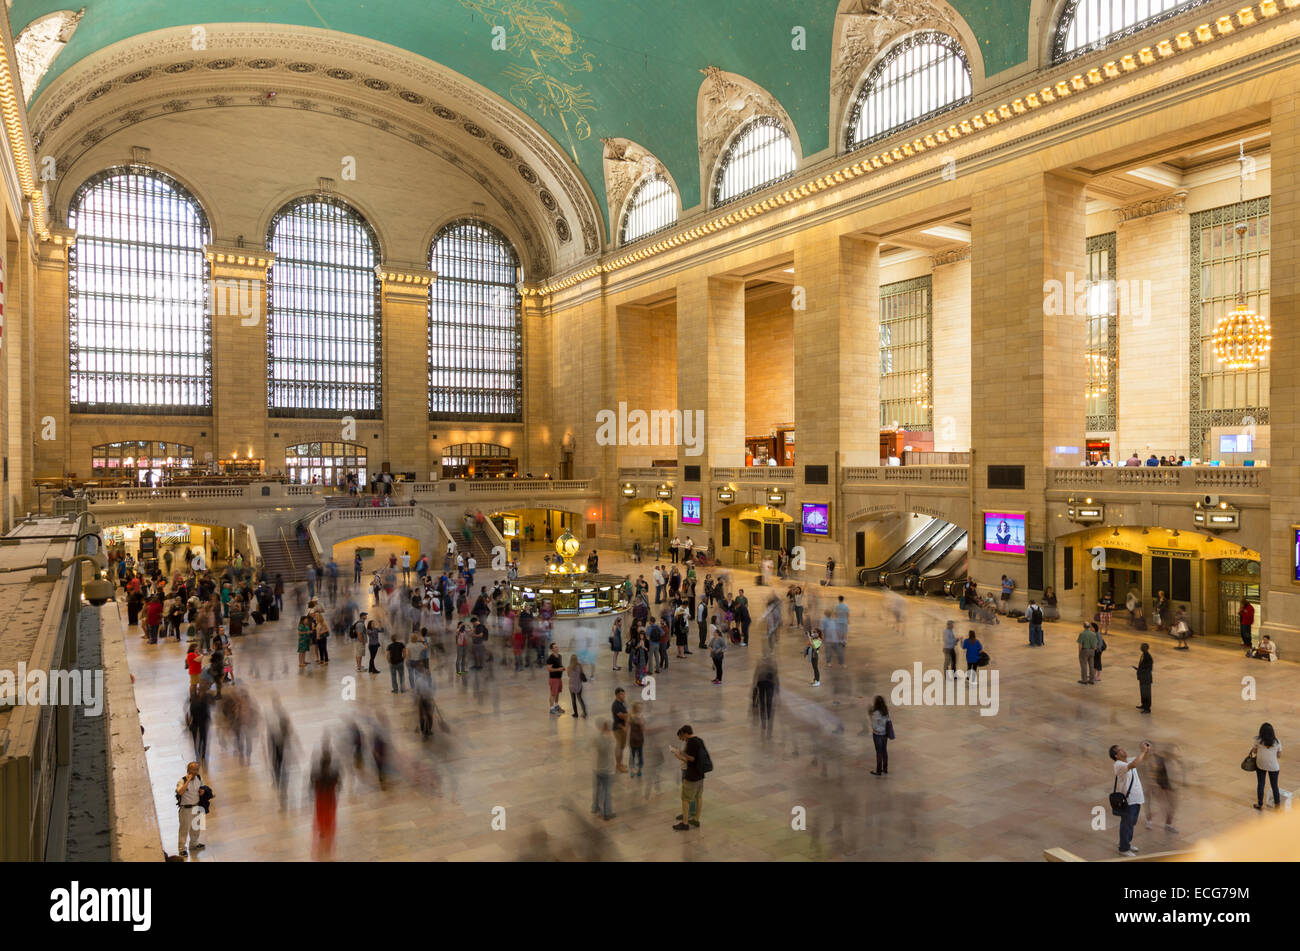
[938, 550]
[949, 569]
[921, 538]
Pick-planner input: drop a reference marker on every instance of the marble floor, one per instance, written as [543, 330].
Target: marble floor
[508, 781]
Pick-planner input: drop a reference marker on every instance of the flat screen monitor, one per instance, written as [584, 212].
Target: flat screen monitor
[1295, 550]
[690, 510]
[1004, 532]
[816, 518]
[587, 602]
[1239, 442]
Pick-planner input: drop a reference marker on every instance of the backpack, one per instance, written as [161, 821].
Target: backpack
[706, 762]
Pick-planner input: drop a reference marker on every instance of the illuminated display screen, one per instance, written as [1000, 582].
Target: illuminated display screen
[1004, 532]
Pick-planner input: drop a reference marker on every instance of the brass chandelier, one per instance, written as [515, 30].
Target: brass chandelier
[1241, 337]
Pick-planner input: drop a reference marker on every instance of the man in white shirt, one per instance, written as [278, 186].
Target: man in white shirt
[1128, 782]
[660, 581]
[689, 547]
[188, 812]
[406, 567]
[677, 547]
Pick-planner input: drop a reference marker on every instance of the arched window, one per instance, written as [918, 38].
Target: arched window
[920, 76]
[322, 315]
[651, 207]
[759, 155]
[140, 461]
[1091, 24]
[475, 326]
[478, 461]
[140, 336]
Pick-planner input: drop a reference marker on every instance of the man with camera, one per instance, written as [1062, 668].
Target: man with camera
[190, 816]
[1126, 794]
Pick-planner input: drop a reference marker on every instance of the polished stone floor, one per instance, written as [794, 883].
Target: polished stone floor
[961, 786]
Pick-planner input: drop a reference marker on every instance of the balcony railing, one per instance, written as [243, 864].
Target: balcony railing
[1172, 478]
[646, 473]
[908, 475]
[754, 474]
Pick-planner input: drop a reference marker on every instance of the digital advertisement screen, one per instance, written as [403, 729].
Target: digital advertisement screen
[1004, 532]
[1295, 547]
[587, 602]
[816, 518]
[1241, 442]
[690, 510]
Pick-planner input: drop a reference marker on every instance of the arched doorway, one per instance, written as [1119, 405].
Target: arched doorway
[325, 463]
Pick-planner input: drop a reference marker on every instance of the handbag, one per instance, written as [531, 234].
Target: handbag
[1250, 763]
[1119, 800]
[889, 728]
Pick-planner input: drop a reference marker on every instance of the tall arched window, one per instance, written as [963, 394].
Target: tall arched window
[140, 335]
[322, 315]
[475, 326]
[651, 207]
[920, 76]
[1091, 24]
[759, 155]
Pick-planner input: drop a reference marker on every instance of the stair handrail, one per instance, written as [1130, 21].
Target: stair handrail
[288, 550]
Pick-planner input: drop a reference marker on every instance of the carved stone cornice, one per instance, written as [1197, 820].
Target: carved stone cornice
[241, 263]
[950, 256]
[52, 252]
[405, 283]
[1148, 207]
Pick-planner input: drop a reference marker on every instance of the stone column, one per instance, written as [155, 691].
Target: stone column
[49, 301]
[537, 449]
[237, 305]
[1152, 256]
[1280, 611]
[950, 350]
[711, 369]
[1027, 369]
[405, 368]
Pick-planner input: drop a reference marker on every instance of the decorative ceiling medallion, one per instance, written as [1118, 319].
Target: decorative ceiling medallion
[548, 200]
[474, 130]
[175, 105]
[527, 174]
[98, 91]
[442, 112]
[261, 63]
[173, 69]
[562, 229]
[337, 73]
[137, 76]
[301, 68]
[504, 151]
[376, 84]
[412, 97]
[221, 64]
[58, 120]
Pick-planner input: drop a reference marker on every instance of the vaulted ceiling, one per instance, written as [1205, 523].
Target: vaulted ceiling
[581, 70]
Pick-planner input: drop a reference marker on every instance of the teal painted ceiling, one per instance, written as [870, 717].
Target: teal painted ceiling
[582, 69]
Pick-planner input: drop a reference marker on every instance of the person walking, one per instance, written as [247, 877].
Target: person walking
[189, 821]
[1126, 773]
[619, 722]
[973, 648]
[576, 679]
[766, 685]
[717, 648]
[1266, 751]
[882, 731]
[695, 763]
[1096, 660]
[1162, 770]
[636, 742]
[1143, 668]
[1087, 641]
[1105, 606]
[1034, 614]
[373, 634]
[950, 649]
[813, 651]
[325, 786]
[602, 798]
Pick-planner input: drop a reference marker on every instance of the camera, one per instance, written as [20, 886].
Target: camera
[97, 591]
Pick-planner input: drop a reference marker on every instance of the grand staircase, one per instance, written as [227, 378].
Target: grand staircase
[286, 556]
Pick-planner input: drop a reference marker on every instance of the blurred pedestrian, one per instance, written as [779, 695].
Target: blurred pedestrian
[602, 801]
[882, 731]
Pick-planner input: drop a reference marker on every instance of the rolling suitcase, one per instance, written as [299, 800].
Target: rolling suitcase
[273, 613]
[258, 618]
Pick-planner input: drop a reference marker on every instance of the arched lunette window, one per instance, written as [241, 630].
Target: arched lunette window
[920, 76]
[1086, 25]
[651, 207]
[760, 155]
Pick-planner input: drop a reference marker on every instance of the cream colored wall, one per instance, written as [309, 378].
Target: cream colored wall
[769, 357]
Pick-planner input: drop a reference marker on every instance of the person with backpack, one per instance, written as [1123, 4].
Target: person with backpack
[973, 649]
[189, 824]
[396, 663]
[1034, 615]
[694, 757]
[1096, 661]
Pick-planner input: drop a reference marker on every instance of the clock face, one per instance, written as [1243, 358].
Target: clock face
[566, 545]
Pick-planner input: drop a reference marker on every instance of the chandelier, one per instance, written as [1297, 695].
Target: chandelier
[1241, 337]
